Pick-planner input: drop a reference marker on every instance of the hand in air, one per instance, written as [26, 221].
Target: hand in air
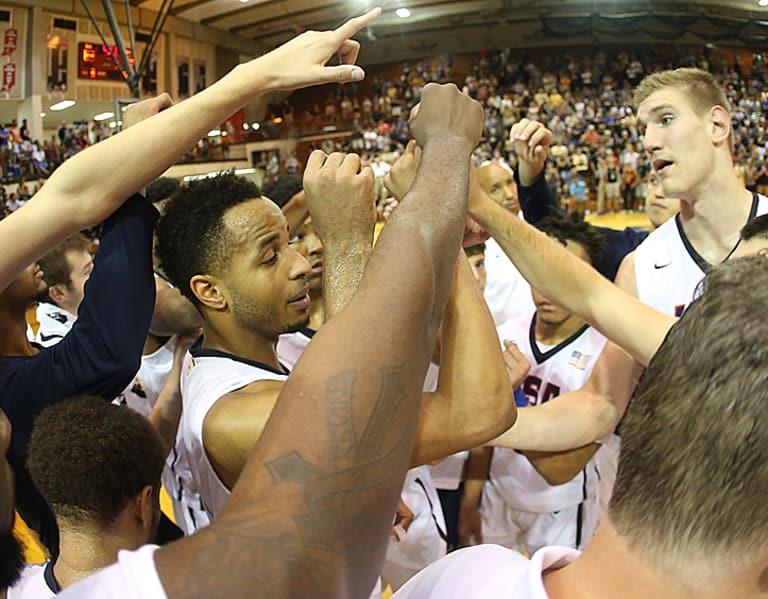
[303, 60]
[445, 113]
[339, 192]
[399, 179]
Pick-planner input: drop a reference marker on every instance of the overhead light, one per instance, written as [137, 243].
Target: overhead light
[246, 126]
[112, 125]
[404, 13]
[245, 171]
[63, 105]
[255, 126]
[214, 133]
[763, 2]
[42, 115]
[103, 116]
[277, 119]
[243, 1]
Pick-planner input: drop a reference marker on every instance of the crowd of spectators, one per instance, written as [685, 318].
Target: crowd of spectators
[596, 163]
[585, 99]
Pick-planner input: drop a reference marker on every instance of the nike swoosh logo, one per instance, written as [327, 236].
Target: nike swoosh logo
[49, 337]
[657, 266]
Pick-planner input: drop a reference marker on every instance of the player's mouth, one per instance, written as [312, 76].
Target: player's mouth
[661, 166]
[317, 268]
[301, 301]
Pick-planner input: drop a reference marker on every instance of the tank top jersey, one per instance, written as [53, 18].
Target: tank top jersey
[133, 576]
[426, 539]
[207, 376]
[291, 345]
[667, 267]
[36, 582]
[554, 371]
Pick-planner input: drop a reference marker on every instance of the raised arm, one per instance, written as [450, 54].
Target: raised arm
[581, 417]
[92, 184]
[340, 196]
[313, 507]
[474, 400]
[570, 282]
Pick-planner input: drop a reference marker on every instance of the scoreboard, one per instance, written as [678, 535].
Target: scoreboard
[94, 61]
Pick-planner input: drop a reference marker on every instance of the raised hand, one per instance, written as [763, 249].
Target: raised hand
[302, 61]
[517, 364]
[443, 113]
[339, 193]
[531, 141]
[138, 111]
[403, 172]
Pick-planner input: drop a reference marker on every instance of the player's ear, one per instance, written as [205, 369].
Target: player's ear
[56, 293]
[719, 125]
[208, 291]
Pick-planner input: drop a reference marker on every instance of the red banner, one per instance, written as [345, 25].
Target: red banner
[9, 42]
[9, 77]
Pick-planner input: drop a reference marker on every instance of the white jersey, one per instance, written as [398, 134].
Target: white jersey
[507, 293]
[54, 322]
[449, 472]
[207, 376]
[487, 572]
[133, 576]
[668, 268]
[291, 345]
[554, 371]
[425, 541]
[36, 582]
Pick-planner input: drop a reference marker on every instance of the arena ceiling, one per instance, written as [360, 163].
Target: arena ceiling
[270, 22]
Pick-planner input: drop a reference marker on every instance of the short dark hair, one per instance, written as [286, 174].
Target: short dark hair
[690, 490]
[89, 458]
[54, 264]
[282, 189]
[755, 228]
[192, 238]
[161, 189]
[572, 227]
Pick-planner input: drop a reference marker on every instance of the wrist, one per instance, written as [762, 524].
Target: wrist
[528, 174]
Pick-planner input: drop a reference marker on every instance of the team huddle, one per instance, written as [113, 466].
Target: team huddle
[581, 409]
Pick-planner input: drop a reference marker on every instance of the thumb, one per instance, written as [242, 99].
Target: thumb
[343, 73]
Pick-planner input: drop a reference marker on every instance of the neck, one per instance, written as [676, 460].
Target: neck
[232, 339]
[87, 550]
[13, 332]
[713, 219]
[316, 310]
[554, 333]
[610, 568]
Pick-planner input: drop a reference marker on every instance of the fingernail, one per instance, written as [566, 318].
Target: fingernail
[356, 75]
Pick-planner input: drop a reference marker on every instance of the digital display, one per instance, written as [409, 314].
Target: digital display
[95, 62]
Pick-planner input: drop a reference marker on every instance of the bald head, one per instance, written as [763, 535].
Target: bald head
[498, 182]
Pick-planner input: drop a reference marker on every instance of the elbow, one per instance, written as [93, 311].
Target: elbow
[495, 417]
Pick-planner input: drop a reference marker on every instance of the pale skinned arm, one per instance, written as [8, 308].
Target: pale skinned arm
[92, 184]
[581, 417]
[572, 283]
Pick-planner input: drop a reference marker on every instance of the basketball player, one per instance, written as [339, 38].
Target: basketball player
[66, 268]
[313, 507]
[692, 470]
[98, 467]
[521, 508]
[658, 207]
